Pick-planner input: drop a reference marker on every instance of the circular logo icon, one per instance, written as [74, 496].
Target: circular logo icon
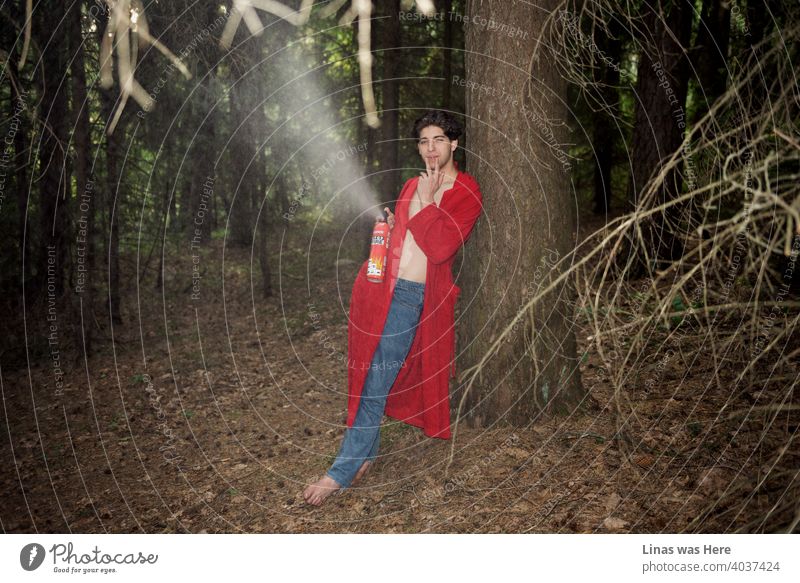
[31, 556]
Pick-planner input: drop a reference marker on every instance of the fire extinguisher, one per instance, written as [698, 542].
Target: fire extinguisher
[379, 251]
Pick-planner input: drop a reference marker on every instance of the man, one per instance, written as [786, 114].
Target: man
[401, 331]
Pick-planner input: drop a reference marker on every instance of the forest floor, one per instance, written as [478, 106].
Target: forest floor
[211, 415]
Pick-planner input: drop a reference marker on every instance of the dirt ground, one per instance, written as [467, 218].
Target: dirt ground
[210, 415]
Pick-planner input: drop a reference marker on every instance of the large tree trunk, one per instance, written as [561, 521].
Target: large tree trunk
[660, 118]
[523, 175]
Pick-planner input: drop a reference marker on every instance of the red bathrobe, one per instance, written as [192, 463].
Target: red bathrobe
[420, 396]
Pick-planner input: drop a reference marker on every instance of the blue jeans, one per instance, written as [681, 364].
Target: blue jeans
[360, 442]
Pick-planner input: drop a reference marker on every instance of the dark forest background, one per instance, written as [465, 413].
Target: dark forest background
[241, 127]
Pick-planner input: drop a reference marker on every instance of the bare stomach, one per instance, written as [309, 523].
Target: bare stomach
[413, 261]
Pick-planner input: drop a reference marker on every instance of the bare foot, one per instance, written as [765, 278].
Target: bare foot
[362, 471]
[317, 492]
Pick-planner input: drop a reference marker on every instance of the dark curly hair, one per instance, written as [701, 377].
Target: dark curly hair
[436, 117]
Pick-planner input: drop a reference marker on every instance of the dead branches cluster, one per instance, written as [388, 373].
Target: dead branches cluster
[727, 309]
[127, 29]
[714, 329]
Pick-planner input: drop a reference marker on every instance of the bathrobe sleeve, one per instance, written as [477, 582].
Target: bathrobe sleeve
[441, 230]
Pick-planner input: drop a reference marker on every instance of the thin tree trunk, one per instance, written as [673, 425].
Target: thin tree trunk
[85, 201]
[390, 89]
[373, 159]
[168, 177]
[114, 192]
[447, 54]
[368, 219]
[710, 52]
[604, 152]
[202, 178]
[261, 179]
[112, 198]
[263, 259]
[603, 126]
[54, 185]
[242, 226]
[282, 195]
[18, 110]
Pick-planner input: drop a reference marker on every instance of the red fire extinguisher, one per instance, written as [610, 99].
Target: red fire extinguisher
[376, 269]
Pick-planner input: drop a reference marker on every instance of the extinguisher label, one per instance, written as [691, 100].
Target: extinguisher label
[374, 268]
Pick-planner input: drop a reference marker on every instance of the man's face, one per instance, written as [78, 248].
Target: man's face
[435, 147]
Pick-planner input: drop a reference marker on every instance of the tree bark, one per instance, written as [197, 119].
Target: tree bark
[204, 118]
[240, 225]
[660, 116]
[202, 178]
[114, 200]
[516, 127]
[54, 187]
[113, 196]
[168, 178]
[263, 258]
[603, 126]
[19, 113]
[447, 54]
[249, 126]
[710, 53]
[85, 200]
[390, 89]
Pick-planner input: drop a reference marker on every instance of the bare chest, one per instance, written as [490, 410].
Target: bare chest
[415, 204]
